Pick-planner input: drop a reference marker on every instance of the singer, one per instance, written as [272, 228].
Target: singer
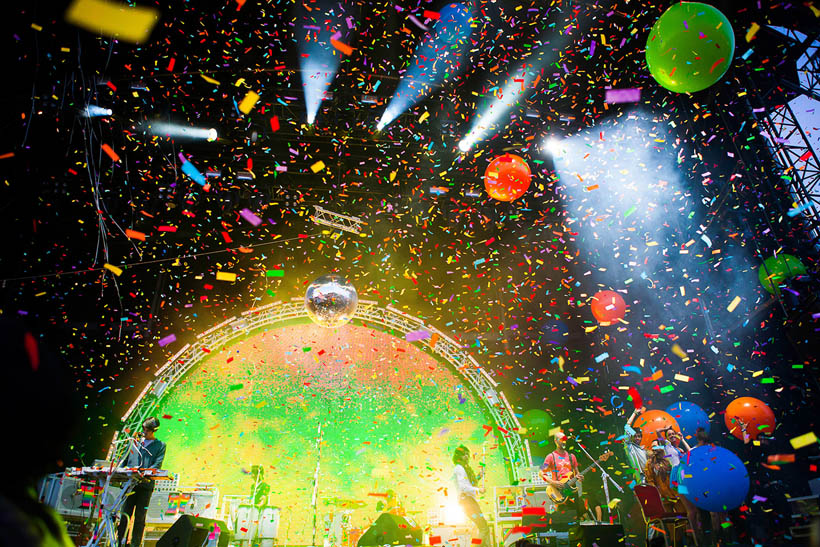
[146, 452]
[466, 481]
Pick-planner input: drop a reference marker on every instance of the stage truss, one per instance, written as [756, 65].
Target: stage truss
[789, 143]
[369, 313]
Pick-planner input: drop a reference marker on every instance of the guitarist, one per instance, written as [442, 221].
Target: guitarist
[559, 467]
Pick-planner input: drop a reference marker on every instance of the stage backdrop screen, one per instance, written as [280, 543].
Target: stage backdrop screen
[391, 416]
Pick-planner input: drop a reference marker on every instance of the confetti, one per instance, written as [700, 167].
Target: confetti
[115, 19]
[803, 441]
[248, 102]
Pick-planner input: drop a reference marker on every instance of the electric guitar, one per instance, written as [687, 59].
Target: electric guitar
[568, 486]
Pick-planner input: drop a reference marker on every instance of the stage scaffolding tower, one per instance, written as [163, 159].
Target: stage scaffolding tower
[788, 142]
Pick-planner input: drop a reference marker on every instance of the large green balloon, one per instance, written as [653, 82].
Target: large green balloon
[690, 47]
[537, 425]
[777, 269]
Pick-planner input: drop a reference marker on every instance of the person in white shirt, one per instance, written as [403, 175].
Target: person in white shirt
[466, 488]
[635, 453]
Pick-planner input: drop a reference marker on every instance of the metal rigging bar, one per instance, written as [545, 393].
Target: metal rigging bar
[337, 220]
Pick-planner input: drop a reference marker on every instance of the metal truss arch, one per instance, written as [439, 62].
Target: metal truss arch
[369, 313]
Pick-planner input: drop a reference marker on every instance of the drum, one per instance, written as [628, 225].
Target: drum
[269, 523]
[247, 522]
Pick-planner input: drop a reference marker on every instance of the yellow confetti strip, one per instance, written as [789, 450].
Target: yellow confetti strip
[752, 31]
[318, 166]
[209, 80]
[424, 117]
[677, 350]
[113, 269]
[682, 378]
[248, 102]
[733, 305]
[803, 440]
[129, 23]
[225, 276]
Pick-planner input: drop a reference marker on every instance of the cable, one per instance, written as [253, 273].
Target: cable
[158, 261]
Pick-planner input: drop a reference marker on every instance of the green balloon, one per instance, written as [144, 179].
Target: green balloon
[776, 269]
[690, 47]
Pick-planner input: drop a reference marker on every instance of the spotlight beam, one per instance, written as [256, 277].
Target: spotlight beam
[438, 57]
[162, 129]
[321, 50]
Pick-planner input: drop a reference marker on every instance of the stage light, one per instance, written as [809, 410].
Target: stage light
[453, 513]
[316, 77]
[501, 104]
[438, 57]
[94, 111]
[520, 83]
[554, 146]
[320, 58]
[172, 130]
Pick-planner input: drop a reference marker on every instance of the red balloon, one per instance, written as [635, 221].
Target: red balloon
[651, 421]
[754, 412]
[608, 306]
[507, 177]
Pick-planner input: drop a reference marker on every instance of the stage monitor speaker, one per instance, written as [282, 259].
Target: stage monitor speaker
[190, 531]
[602, 535]
[391, 530]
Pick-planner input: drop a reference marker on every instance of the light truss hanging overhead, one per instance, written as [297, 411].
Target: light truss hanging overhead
[339, 221]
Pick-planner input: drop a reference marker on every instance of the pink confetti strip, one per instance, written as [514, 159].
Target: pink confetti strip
[248, 215]
[615, 96]
[417, 335]
[417, 22]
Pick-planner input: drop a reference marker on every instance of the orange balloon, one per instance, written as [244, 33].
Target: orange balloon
[507, 177]
[651, 421]
[754, 412]
[608, 306]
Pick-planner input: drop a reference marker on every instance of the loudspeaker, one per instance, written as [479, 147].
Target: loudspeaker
[602, 535]
[391, 529]
[190, 531]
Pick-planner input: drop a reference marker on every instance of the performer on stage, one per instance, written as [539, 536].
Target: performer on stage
[390, 504]
[658, 472]
[465, 481]
[675, 449]
[259, 488]
[635, 453]
[560, 466]
[147, 452]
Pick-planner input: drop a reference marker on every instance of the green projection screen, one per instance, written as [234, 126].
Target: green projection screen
[391, 417]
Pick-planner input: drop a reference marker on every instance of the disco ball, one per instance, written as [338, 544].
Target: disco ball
[331, 301]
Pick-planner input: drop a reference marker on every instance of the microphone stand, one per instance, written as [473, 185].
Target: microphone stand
[604, 478]
[316, 482]
[484, 466]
